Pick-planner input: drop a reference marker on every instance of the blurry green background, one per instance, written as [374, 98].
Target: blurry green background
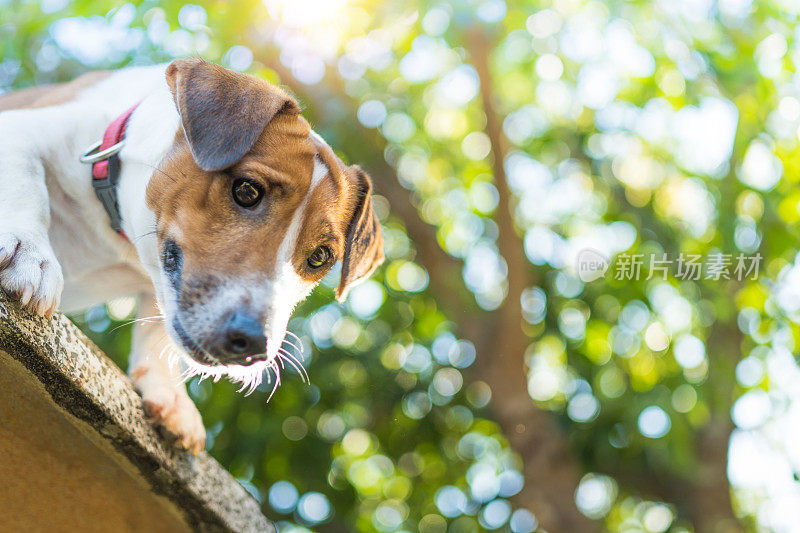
[476, 383]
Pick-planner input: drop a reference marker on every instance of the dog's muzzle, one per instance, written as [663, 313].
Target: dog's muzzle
[241, 339]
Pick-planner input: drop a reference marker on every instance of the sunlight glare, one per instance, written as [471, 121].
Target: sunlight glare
[322, 23]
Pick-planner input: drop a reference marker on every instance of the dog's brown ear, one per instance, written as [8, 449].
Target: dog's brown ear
[363, 248]
[223, 112]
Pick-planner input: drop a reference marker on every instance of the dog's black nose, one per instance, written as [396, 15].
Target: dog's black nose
[243, 336]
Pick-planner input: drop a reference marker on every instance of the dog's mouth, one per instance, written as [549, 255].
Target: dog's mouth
[191, 348]
[251, 374]
[196, 352]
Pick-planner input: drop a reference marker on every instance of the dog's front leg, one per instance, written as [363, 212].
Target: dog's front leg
[164, 397]
[28, 265]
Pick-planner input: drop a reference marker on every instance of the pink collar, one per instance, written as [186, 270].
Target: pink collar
[104, 158]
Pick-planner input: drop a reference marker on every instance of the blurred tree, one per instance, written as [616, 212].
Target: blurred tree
[482, 381]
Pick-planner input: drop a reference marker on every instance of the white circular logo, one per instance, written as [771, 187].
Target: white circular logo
[590, 265]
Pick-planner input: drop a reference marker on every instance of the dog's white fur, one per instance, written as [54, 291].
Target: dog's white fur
[50, 216]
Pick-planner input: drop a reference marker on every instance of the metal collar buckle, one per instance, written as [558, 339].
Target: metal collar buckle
[91, 157]
[106, 187]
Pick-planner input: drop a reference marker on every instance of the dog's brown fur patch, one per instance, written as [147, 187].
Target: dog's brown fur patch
[218, 236]
[222, 240]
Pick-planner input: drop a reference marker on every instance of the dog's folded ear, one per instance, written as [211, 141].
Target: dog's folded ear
[363, 251]
[223, 112]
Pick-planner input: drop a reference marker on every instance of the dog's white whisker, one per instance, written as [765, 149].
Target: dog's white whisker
[274, 367]
[294, 336]
[143, 320]
[299, 349]
[254, 382]
[164, 349]
[283, 356]
[173, 359]
[186, 375]
[290, 344]
[297, 365]
[300, 370]
[289, 354]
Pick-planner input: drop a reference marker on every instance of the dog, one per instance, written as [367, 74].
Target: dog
[210, 198]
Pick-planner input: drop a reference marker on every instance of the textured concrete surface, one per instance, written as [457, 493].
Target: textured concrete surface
[76, 453]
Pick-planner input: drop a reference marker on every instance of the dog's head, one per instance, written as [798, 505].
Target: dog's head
[252, 210]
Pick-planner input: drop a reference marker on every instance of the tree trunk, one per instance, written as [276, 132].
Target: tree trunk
[551, 472]
[709, 494]
[710, 491]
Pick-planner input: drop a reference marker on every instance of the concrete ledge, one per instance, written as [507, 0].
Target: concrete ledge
[76, 451]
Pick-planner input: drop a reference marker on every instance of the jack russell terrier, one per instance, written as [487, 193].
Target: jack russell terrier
[209, 197]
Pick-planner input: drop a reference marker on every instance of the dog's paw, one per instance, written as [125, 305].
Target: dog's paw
[168, 406]
[178, 419]
[30, 271]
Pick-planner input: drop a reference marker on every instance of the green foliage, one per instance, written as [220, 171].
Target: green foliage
[633, 128]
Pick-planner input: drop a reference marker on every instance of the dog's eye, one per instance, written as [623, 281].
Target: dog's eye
[319, 257]
[247, 193]
[171, 256]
